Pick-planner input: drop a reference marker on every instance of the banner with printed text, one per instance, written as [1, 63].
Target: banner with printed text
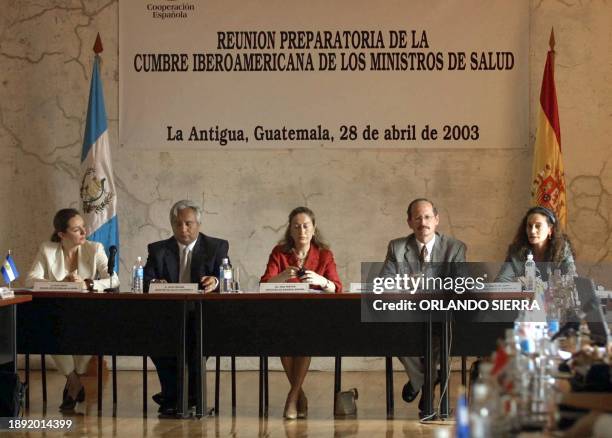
[211, 74]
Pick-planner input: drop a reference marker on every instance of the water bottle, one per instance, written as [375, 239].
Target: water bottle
[530, 273]
[462, 428]
[484, 409]
[137, 276]
[225, 276]
[553, 314]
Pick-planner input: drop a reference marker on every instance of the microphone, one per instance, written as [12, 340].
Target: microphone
[112, 253]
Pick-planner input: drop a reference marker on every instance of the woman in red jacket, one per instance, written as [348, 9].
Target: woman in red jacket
[301, 256]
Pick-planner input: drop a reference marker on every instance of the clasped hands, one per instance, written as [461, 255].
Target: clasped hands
[74, 277]
[309, 277]
[208, 282]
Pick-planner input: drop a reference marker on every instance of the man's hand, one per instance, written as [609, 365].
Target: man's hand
[209, 283]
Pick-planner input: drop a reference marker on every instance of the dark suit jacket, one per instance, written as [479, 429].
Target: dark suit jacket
[163, 260]
[403, 255]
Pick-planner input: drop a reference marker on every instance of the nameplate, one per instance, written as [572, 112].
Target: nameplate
[360, 288]
[501, 287]
[6, 293]
[59, 286]
[173, 287]
[283, 287]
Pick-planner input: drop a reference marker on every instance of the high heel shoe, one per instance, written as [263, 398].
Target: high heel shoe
[68, 403]
[81, 395]
[290, 412]
[302, 406]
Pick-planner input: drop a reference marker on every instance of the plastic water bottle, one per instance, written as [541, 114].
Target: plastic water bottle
[553, 314]
[462, 428]
[484, 409]
[225, 276]
[530, 273]
[137, 276]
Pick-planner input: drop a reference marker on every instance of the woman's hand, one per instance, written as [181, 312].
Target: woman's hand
[314, 279]
[73, 277]
[289, 273]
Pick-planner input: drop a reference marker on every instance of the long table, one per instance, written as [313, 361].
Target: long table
[245, 324]
[123, 324]
[271, 324]
[8, 330]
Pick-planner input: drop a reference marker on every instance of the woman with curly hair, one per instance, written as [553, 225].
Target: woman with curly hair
[540, 235]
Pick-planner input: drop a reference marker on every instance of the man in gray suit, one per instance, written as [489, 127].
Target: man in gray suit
[408, 255]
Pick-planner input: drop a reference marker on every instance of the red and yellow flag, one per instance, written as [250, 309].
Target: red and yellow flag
[548, 185]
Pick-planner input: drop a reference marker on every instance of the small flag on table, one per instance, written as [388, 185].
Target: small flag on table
[9, 270]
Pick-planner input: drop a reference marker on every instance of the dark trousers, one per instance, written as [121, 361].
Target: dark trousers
[167, 366]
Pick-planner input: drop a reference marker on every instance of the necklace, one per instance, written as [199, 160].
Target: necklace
[300, 259]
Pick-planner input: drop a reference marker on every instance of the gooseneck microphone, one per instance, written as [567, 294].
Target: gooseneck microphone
[112, 253]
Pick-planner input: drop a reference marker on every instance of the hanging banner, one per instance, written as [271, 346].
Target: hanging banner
[209, 74]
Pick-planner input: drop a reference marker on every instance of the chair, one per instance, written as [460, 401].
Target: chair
[218, 382]
[43, 371]
[264, 393]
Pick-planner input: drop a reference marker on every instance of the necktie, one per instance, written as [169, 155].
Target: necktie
[185, 275]
[423, 255]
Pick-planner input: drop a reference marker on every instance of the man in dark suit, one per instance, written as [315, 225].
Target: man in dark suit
[187, 257]
[408, 255]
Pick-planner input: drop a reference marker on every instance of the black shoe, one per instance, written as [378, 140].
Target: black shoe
[409, 393]
[68, 404]
[158, 398]
[81, 395]
[167, 411]
[422, 399]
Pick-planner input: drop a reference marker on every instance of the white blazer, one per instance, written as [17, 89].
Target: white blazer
[92, 263]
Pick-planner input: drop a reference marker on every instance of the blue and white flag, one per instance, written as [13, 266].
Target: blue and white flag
[9, 270]
[98, 193]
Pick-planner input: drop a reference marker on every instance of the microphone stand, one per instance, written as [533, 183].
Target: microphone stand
[111, 271]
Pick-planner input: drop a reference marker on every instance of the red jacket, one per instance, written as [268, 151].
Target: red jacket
[318, 260]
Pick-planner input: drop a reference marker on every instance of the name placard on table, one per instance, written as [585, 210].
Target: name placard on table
[6, 293]
[284, 287]
[173, 287]
[55, 286]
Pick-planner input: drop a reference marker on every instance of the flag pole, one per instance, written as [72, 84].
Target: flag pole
[551, 41]
[7, 257]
